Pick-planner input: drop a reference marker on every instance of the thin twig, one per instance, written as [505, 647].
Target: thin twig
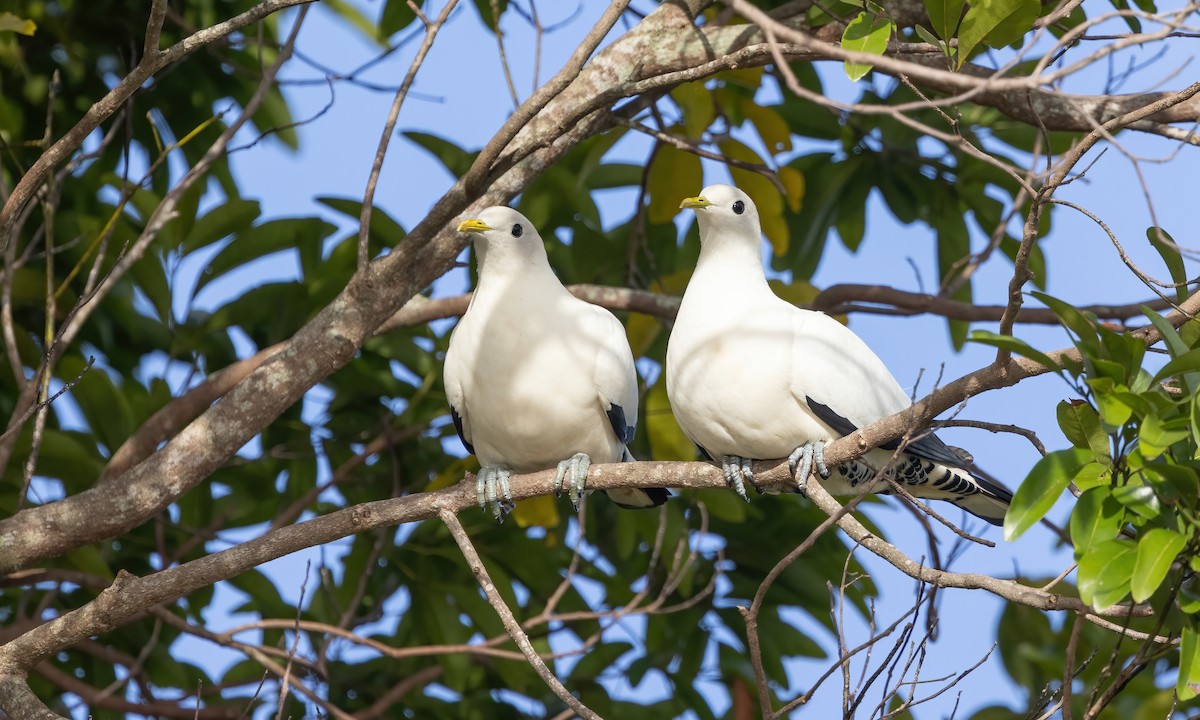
[364, 218]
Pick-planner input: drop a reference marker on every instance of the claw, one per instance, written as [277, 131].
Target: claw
[808, 454]
[492, 490]
[576, 468]
[735, 468]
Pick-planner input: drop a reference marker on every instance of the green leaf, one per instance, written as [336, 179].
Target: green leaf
[1156, 550]
[995, 23]
[262, 240]
[1096, 518]
[456, 160]
[696, 104]
[929, 37]
[868, 34]
[1104, 573]
[1113, 410]
[396, 16]
[1188, 685]
[385, 231]
[1168, 250]
[274, 116]
[1094, 474]
[1012, 344]
[220, 222]
[1155, 436]
[667, 440]
[1175, 344]
[354, 17]
[1042, 488]
[12, 23]
[1071, 318]
[490, 19]
[1081, 425]
[674, 175]
[151, 278]
[1178, 349]
[1188, 362]
[943, 16]
[1140, 499]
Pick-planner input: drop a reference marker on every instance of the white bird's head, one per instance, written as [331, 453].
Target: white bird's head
[724, 211]
[504, 235]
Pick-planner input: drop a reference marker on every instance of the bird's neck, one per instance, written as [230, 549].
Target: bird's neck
[513, 277]
[724, 260]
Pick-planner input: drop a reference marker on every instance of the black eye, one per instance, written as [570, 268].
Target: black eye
[739, 207]
[517, 230]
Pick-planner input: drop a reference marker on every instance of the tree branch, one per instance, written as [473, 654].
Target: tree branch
[510, 621]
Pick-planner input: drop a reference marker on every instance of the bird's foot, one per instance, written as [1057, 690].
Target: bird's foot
[574, 468]
[735, 468]
[492, 491]
[809, 454]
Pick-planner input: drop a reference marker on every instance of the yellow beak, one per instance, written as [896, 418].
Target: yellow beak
[473, 226]
[695, 203]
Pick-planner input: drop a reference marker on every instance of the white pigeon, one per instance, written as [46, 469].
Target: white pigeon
[537, 378]
[751, 376]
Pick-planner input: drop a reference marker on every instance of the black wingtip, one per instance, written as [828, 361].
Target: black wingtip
[458, 426]
[639, 498]
[658, 496]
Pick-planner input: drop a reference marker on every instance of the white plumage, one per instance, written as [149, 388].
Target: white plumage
[751, 376]
[536, 377]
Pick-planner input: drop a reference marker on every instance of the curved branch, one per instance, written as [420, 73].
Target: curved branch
[129, 594]
[839, 299]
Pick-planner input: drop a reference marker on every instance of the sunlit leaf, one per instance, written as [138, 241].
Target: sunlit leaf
[793, 182]
[1156, 550]
[667, 440]
[1188, 684]
[775, 134]
[1041, 489]
[1104, 573]
[866, 33]
[12, 23]
[1095, 518]
[540, 511]
[995, 23]
[674, 175]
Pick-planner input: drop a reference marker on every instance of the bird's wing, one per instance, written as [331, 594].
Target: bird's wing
[847, 387]
[616, 383]
[452, 374]
[614, 373]
[837, 377]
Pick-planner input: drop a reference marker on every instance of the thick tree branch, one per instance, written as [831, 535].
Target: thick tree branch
[128, 594]
[327, 342]
[1024, 97]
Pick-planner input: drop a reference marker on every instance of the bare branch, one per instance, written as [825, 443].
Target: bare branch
[364, 218]
[506, 616]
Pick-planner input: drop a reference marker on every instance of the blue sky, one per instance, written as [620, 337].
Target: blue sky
[463, 96]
